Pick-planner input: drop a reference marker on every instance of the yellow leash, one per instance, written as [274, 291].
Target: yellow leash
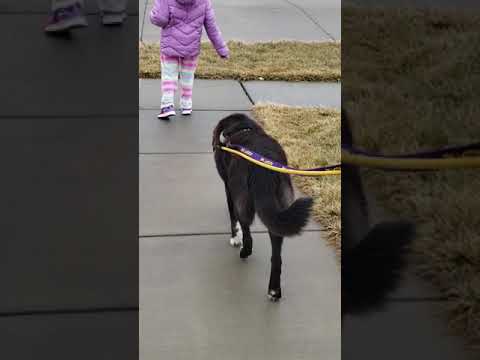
[282, 170]
[410, 163]
[389, 163]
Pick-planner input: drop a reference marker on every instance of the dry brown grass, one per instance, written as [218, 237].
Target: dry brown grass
[286, 60]
[430, 97]
[311, 138]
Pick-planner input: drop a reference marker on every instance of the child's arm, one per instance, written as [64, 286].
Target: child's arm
[213, 32]
[160, 14]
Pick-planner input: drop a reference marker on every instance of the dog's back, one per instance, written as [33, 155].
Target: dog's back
[271, 193]
[372, 259]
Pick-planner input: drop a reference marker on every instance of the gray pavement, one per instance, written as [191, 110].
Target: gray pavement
[68, 264]
[404, 330]
[54, 157]
[55, 71]
[209, 95]
[170, 200]
[295, 94]
[43, 7]
[192, 283]
[239, 96]
[70, 336]
[200, 301]
[252, 21]
[162, 137]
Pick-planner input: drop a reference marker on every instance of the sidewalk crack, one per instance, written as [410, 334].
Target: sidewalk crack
[143, 20]
[69, 311]
[311, 18]
[246, 92]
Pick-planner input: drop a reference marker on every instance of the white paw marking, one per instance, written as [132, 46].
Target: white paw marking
[237, 240]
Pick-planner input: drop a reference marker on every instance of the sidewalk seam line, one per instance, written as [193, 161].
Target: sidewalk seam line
[69, 116]
[93, 310]
[212, 110]
[143, 20]
[311, 18]
[242, 85]
[215, 233]
[29, 13]
[176, 153]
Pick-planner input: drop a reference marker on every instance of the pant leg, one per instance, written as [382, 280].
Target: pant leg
[65, 3]
[170, 68]
[112, 5]
[187, 75]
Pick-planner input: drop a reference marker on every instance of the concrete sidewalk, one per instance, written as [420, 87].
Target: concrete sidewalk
[240, 95]
[192, 283]
[200, 301]
[68, 264]
[266, 20]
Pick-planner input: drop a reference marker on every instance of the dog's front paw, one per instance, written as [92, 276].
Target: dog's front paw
[236, 241]
[245, 252]
[274, 294]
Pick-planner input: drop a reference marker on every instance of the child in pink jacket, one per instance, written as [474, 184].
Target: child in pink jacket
[182, 22]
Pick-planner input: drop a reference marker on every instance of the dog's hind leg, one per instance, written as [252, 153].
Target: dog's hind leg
[236, 239]
[245, 212]
[274, 287]
[247, 242]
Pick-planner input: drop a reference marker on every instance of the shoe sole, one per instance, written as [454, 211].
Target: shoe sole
[166, 115]
[66, 25]
[113, 19]
[186, 113]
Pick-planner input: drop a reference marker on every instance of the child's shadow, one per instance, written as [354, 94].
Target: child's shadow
[63, 35]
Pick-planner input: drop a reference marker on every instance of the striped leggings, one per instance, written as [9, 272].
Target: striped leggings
[173, 69]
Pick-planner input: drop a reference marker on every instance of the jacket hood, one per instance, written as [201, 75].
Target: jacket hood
[185, 2]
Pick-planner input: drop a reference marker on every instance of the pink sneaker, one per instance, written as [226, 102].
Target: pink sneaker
[166, 112]
[64, 19]
[186, 111]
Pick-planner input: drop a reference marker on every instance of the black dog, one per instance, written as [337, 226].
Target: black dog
[251, 190]
[372, 259]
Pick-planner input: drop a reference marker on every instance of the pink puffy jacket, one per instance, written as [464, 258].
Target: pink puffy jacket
[182, 22]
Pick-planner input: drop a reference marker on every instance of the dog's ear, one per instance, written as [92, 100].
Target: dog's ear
[216, 137]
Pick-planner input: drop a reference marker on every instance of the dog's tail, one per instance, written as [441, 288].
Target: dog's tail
[373, 268]
[281, 221]
[288, 222]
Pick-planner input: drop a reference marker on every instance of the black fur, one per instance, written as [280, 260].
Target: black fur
[373, 260]
[374, 267]
[252, 189]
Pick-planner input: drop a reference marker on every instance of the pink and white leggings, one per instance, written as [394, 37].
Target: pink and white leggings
[173, 70]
